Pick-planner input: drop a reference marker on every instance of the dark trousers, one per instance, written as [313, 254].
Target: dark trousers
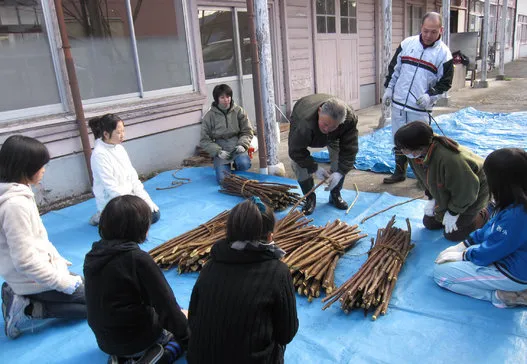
[466, 224]
[55, 304]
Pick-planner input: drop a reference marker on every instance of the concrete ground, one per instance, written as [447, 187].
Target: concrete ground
[500, 96]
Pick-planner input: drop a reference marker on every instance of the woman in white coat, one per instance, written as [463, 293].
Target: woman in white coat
[113, 173]
[38, 283]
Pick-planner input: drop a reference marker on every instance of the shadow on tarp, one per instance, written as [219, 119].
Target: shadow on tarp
[482, 132]
[424, 323]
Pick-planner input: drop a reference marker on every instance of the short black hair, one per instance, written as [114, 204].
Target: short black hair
[418, 134]
[219, 90]
[247, 223]
[125, 217]
[20, 158]
[506, 171]
[106, 123]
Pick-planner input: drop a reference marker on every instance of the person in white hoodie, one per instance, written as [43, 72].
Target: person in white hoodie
[113, 173]
[38, 283]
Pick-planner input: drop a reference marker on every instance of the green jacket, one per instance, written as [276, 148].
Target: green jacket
[304, 132]
[456, 181]
[225, 130]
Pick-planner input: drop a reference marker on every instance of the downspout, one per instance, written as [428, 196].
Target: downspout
[74, 87]
[262, 147]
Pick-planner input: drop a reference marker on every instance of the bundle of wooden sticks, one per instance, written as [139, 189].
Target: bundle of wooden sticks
[372, 286]
[275, 195]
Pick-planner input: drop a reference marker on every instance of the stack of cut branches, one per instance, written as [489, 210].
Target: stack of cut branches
[190, 251]
[275, 195]
[313, 263]
[200, 158]
[372, 286]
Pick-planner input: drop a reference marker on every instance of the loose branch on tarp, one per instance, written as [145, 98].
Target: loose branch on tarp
[391, 207]
[355, 200]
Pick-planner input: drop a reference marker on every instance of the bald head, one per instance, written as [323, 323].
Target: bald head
[431, 28]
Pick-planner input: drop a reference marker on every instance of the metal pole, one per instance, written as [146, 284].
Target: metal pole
[263, 35]
[446, 22]
[503, 32]
[260, 127]
[386, 54]
[74, 87]
[482, 83]
[134, 47]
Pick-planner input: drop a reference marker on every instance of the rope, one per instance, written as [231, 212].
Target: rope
[332, 243]
[379, 246]
[243, 186]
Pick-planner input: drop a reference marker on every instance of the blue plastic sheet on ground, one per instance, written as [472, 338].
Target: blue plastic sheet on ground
[482, 132]
[424, 323]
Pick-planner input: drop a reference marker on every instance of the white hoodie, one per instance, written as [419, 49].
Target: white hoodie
[114, 175]
[29, 263]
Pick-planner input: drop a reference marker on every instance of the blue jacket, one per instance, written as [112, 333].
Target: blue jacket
[502, 242]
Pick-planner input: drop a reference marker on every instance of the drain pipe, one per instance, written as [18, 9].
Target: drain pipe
[260, 127]
[74, 87]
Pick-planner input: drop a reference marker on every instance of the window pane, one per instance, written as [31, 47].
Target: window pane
[330, 6]
[26, 69]
[161, 43]
[353, 9]
[331, 24]
[217, 43]
[101, 46]
[353, 25]
[321, 7]
[344, 25]
[321, 24]
[245, 42]
[344, 8]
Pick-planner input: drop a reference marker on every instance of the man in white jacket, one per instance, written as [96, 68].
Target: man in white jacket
[420, 72]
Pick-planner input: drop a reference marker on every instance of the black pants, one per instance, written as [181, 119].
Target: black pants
[55, 304]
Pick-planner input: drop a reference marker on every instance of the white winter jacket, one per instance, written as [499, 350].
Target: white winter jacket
[114, 175]
[29, 263]
[415, 70]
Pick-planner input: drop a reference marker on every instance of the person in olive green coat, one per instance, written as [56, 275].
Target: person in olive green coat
[226, 133]
[453, 179]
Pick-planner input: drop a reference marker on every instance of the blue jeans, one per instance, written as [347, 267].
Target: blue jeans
[475, 281]
[242, 162]
[55, 304]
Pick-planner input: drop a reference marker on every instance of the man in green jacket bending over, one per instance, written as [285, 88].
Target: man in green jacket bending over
[317, 121]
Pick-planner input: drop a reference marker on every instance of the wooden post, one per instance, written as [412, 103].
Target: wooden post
[263, 37]
[386, 54]
[503, 32]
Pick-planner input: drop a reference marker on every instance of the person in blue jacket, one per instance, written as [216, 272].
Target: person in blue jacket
[491, 264]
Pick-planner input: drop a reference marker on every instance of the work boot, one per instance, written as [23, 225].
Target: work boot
[335, 198]
[311, 201]
[401, 163]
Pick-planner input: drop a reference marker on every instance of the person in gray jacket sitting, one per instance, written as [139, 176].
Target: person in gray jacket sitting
[226, 133]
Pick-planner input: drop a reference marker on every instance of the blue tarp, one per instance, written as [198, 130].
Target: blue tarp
[424, 323]
[482, 132]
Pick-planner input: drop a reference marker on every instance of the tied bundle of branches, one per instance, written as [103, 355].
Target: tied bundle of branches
[293, 231]
[313, 263]
[190, 251]
[275, 195]
[200, 158]
[372, 286]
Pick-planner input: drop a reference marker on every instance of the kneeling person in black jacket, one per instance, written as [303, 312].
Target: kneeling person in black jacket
[131, 308]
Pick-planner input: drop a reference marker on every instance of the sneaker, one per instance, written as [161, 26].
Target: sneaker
[15, 316]
[512, 298]
[94, 220]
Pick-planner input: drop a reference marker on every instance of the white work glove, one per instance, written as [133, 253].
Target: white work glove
[224, 154]
[321, 173]
[455, 248]
[333, 181]
[424, 100]
[387, 97]
[76, 281]
[449, 256]
[240, 149]
[450, 222]
[430, 207]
